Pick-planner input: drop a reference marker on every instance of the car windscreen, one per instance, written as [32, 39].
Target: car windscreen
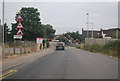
[60, 44]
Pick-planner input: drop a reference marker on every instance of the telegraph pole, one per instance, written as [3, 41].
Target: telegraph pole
[6, 32]
[87, 25]
[92, 30]
[3, 21]
[3, 30]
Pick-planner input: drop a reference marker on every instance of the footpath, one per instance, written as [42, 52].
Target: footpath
[17, 60]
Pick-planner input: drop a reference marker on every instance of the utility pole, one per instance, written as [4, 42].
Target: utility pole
[87, 25]
[3, 21]
[0, 21]
[6, 32]
[92, 30]
[3, 30]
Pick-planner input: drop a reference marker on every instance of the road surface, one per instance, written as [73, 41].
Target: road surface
[70, 63]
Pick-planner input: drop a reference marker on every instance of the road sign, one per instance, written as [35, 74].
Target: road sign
[19, 32]
[20, 25]
[17, 36]
[39, 40]
[19, 18]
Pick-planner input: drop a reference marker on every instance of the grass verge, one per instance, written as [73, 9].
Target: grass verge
[110, 49]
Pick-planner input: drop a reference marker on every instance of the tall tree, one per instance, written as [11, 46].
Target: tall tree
[32, 25]
[75, 36]
[48, 30]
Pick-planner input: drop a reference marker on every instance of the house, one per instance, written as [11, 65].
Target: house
[109, 32]
[102, 33]
[96, 33]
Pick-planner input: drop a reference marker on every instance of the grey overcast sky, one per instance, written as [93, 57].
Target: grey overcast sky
[69, 16]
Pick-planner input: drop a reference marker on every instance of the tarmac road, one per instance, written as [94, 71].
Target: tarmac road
[70, 63]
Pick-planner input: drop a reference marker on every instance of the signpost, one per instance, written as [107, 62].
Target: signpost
[20, 25]
[19, 32]
[39, 42]
[19, 18]
[17, 37]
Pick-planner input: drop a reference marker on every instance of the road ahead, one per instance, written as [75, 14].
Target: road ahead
[68, 64]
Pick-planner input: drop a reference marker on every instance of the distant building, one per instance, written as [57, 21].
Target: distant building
[109, 33]
[96, 33]
[102, 33]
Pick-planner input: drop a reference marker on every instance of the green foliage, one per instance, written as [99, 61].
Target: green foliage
[62, 39]
[48, 31]
[93, 48]
[114, 35]
[111, 49]
[75, 35]
[32, 25]
[78, 47]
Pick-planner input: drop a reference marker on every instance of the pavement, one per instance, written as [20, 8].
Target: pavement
[0, 59]
[70, 63]
[16, 60]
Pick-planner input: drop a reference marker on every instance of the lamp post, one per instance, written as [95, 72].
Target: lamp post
[5, 31]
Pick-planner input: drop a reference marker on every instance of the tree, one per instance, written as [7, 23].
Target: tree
[32, 25]
[75, 36]
[62, 38]
[114, 35]
[48, 30]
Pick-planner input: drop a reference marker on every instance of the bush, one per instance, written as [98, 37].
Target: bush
[78, 47]
[112, 48]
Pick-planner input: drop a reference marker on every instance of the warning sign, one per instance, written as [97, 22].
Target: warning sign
[20, 25]
[19, 32]
[17, 36]
[19, 18]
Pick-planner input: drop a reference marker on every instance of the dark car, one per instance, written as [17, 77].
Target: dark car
[60, 45]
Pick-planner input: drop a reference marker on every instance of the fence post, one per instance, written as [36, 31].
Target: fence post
[20, 47]
[14, 47]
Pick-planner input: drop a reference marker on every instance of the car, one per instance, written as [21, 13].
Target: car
[60, 46]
